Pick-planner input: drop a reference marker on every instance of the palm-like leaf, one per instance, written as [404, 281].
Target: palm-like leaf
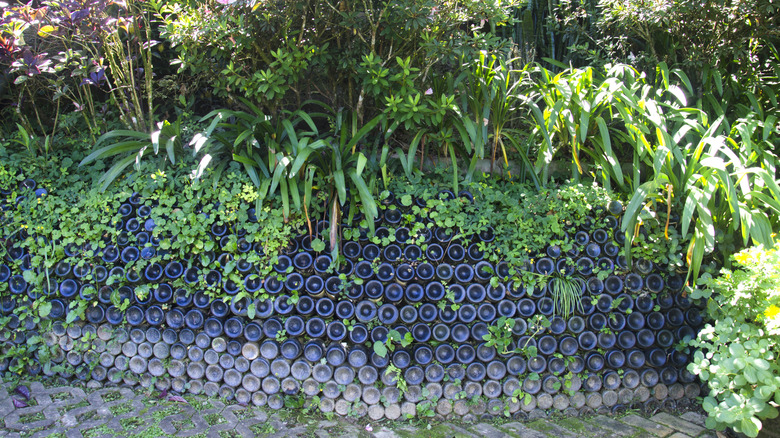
[131, 147]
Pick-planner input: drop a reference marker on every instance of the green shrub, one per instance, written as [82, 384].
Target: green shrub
[525, 220]
[691, 35]
[346, 53]
[738, 350]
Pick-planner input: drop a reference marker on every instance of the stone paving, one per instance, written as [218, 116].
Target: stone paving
[73, 412]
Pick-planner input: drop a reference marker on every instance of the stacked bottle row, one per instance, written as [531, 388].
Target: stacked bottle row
[263, 372]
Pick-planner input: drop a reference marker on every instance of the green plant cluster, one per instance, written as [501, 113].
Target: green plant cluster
[183, 210]
[645, 140]
[710, 163]
[407, 89]
[737, 352]
[73, 213]
[352, 53]
[81, 57]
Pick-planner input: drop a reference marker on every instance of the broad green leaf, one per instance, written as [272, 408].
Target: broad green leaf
[684, 78]
[750, 426]
[769, 127]
[688, 209]
[243, 135]
[317, 245]
[369, 205]
[364, 131]
[279, 174]
[584, 124]
[761, 232]
[718, 81]
[300, 160]
[409, 162]
[285, 197]
[295, 193]
[291, 134]
[170, 148]
[769, 202]
[662, 72]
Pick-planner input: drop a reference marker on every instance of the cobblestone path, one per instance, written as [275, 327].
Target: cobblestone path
[121, 412]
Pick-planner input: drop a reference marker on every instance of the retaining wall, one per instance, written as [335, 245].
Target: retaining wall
[617, 350]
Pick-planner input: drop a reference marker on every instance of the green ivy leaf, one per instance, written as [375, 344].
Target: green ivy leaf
[394, 335]
[44, 309]
[29, 276]
[318, 245]
[70, 317]
[380, 349]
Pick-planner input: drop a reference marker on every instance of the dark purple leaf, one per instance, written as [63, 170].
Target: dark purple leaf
[24, 391]
[164, 393]
[29, 58]
[95, 78]
[35, 64]
[19, 404]
[77, 16]
[177, 398]
[98, 76]
[244, 404]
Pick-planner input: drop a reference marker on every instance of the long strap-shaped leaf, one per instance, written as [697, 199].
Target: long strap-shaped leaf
[295, 193]
[522, 151]
[114, 149]
[285, 198]
[608, 154]
[280, 173]
[341, 185]
[634, 208]
[306, 149]
[107, 178]
[541, 127]
[369, 205]
[363, 131]
[408, 161]
[250, 166]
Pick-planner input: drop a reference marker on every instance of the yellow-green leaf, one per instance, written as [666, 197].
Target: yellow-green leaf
[44, 31]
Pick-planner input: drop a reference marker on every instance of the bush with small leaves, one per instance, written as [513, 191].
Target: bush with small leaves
[738, 350]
